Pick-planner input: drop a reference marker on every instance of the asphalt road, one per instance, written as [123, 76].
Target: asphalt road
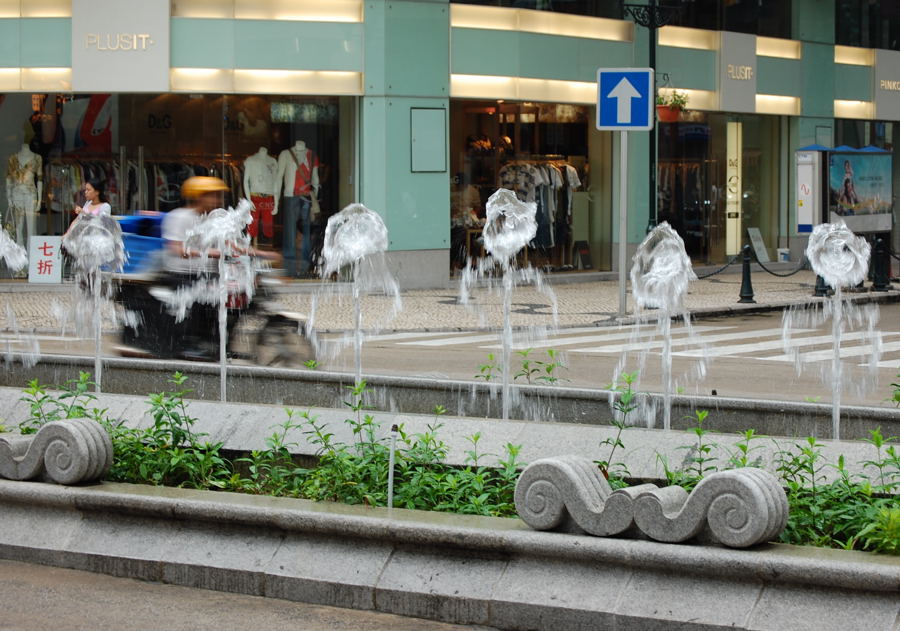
[38, 598]
[744, 356]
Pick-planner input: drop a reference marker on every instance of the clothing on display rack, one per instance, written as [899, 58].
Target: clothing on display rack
[549, 183]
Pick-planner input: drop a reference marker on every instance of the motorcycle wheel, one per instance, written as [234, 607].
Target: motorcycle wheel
[281, 343]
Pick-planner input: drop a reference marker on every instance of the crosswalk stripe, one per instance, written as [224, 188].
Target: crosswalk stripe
[623, 335]
[468, 339]
[851, 351]
[685, 341]
[410, 335]
[739, 349]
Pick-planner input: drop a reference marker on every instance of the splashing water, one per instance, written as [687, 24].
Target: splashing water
[224, 230]
[842, 259]
[16, 258]
[510, 225]
[356, 237]
[95, 243]
[660, 277]
[12, 253]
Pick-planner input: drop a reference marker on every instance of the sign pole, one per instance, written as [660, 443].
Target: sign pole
[623, 220]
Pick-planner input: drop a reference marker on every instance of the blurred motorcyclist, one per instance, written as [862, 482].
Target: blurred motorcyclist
[186, 269]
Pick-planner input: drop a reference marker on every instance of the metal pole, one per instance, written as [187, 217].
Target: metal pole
[746, 295]
[393, 448]
[623, 219]
[651, 199]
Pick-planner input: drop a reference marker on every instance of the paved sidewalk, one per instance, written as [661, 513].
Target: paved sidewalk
[578, 304]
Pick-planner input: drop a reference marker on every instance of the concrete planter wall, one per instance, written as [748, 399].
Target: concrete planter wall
[461, 398]
[458, 569]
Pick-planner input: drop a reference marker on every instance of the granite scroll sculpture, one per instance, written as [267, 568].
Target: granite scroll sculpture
[70, 451]
[738, 508]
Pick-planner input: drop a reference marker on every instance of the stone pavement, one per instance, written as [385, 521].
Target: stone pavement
[581, 300]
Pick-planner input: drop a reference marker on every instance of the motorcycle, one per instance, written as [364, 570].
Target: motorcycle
[260, 330]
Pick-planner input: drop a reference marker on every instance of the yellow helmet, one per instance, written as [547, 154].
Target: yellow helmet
[196, 186]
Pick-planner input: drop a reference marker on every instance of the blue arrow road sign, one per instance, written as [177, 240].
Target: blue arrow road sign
[625, 99]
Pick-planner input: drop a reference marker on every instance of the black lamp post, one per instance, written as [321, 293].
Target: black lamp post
[651, 16]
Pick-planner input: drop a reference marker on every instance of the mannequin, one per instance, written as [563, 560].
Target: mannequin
[298, 174]
[260, 174]
[24, 187]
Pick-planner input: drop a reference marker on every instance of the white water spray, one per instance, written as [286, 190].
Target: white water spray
[357, 237]
[842, 259]
[225, 231]
[95, 243]
[659, 280]
[510, 226]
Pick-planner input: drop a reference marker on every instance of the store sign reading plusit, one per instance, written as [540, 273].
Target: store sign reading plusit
[737, 72]
[120, 45]
[118, 41]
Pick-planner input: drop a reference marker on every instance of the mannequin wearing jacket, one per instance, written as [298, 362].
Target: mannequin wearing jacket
[24, 186]
[298, 180]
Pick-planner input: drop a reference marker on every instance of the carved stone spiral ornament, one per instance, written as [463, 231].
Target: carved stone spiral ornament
[739, 508]
[70, 451]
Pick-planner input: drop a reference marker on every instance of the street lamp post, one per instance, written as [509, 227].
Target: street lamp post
[651, 16]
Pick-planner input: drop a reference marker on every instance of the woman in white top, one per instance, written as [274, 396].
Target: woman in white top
[96, 199]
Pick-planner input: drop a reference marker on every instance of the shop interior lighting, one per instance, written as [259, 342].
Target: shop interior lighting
[10, 79]
[705, 100]
[521, 88]
[775, 104]
[778, 47]
[684, 37]
[298, 81]
[296, 10]
[46, 79]
[854, 109]
[854, 56]
[201, 80]
[35, 8]
[544, 22]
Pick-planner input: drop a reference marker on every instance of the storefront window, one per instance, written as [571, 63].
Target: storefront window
[718, 176]
[544, 152]
[867, 23]
[770, 18]
[596, 8]
[274, 150]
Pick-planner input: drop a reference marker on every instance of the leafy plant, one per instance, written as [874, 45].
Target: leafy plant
[674, 99]
[488, 370]
[740, 457]
[312, 364]
[169, 452]
[895, 394]
[537, 370]
[700, 460]
[72, 402]
[624, 405]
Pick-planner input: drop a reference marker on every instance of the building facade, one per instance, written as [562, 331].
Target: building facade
[420, 109]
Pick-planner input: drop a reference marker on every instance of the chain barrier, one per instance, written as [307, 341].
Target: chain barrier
[891, 252]
[802, 266]
[721, 269]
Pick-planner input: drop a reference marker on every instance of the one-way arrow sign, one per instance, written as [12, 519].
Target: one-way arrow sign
[625, 99]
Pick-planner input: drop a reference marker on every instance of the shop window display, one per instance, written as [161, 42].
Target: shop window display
[143, 146]
[694, 182]
[538, 150]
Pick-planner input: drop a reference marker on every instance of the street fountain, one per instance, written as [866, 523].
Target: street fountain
[94, 242]
[510, 225]
[16, 259]
[225, 231]
[842, 260]
[659, 280]
[356, 238]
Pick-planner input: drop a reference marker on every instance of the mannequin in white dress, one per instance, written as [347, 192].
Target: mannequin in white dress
[298, 177]
[260, 175]
[24, 187]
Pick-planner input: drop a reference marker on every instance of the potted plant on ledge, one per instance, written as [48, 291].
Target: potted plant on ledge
[669, 106]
